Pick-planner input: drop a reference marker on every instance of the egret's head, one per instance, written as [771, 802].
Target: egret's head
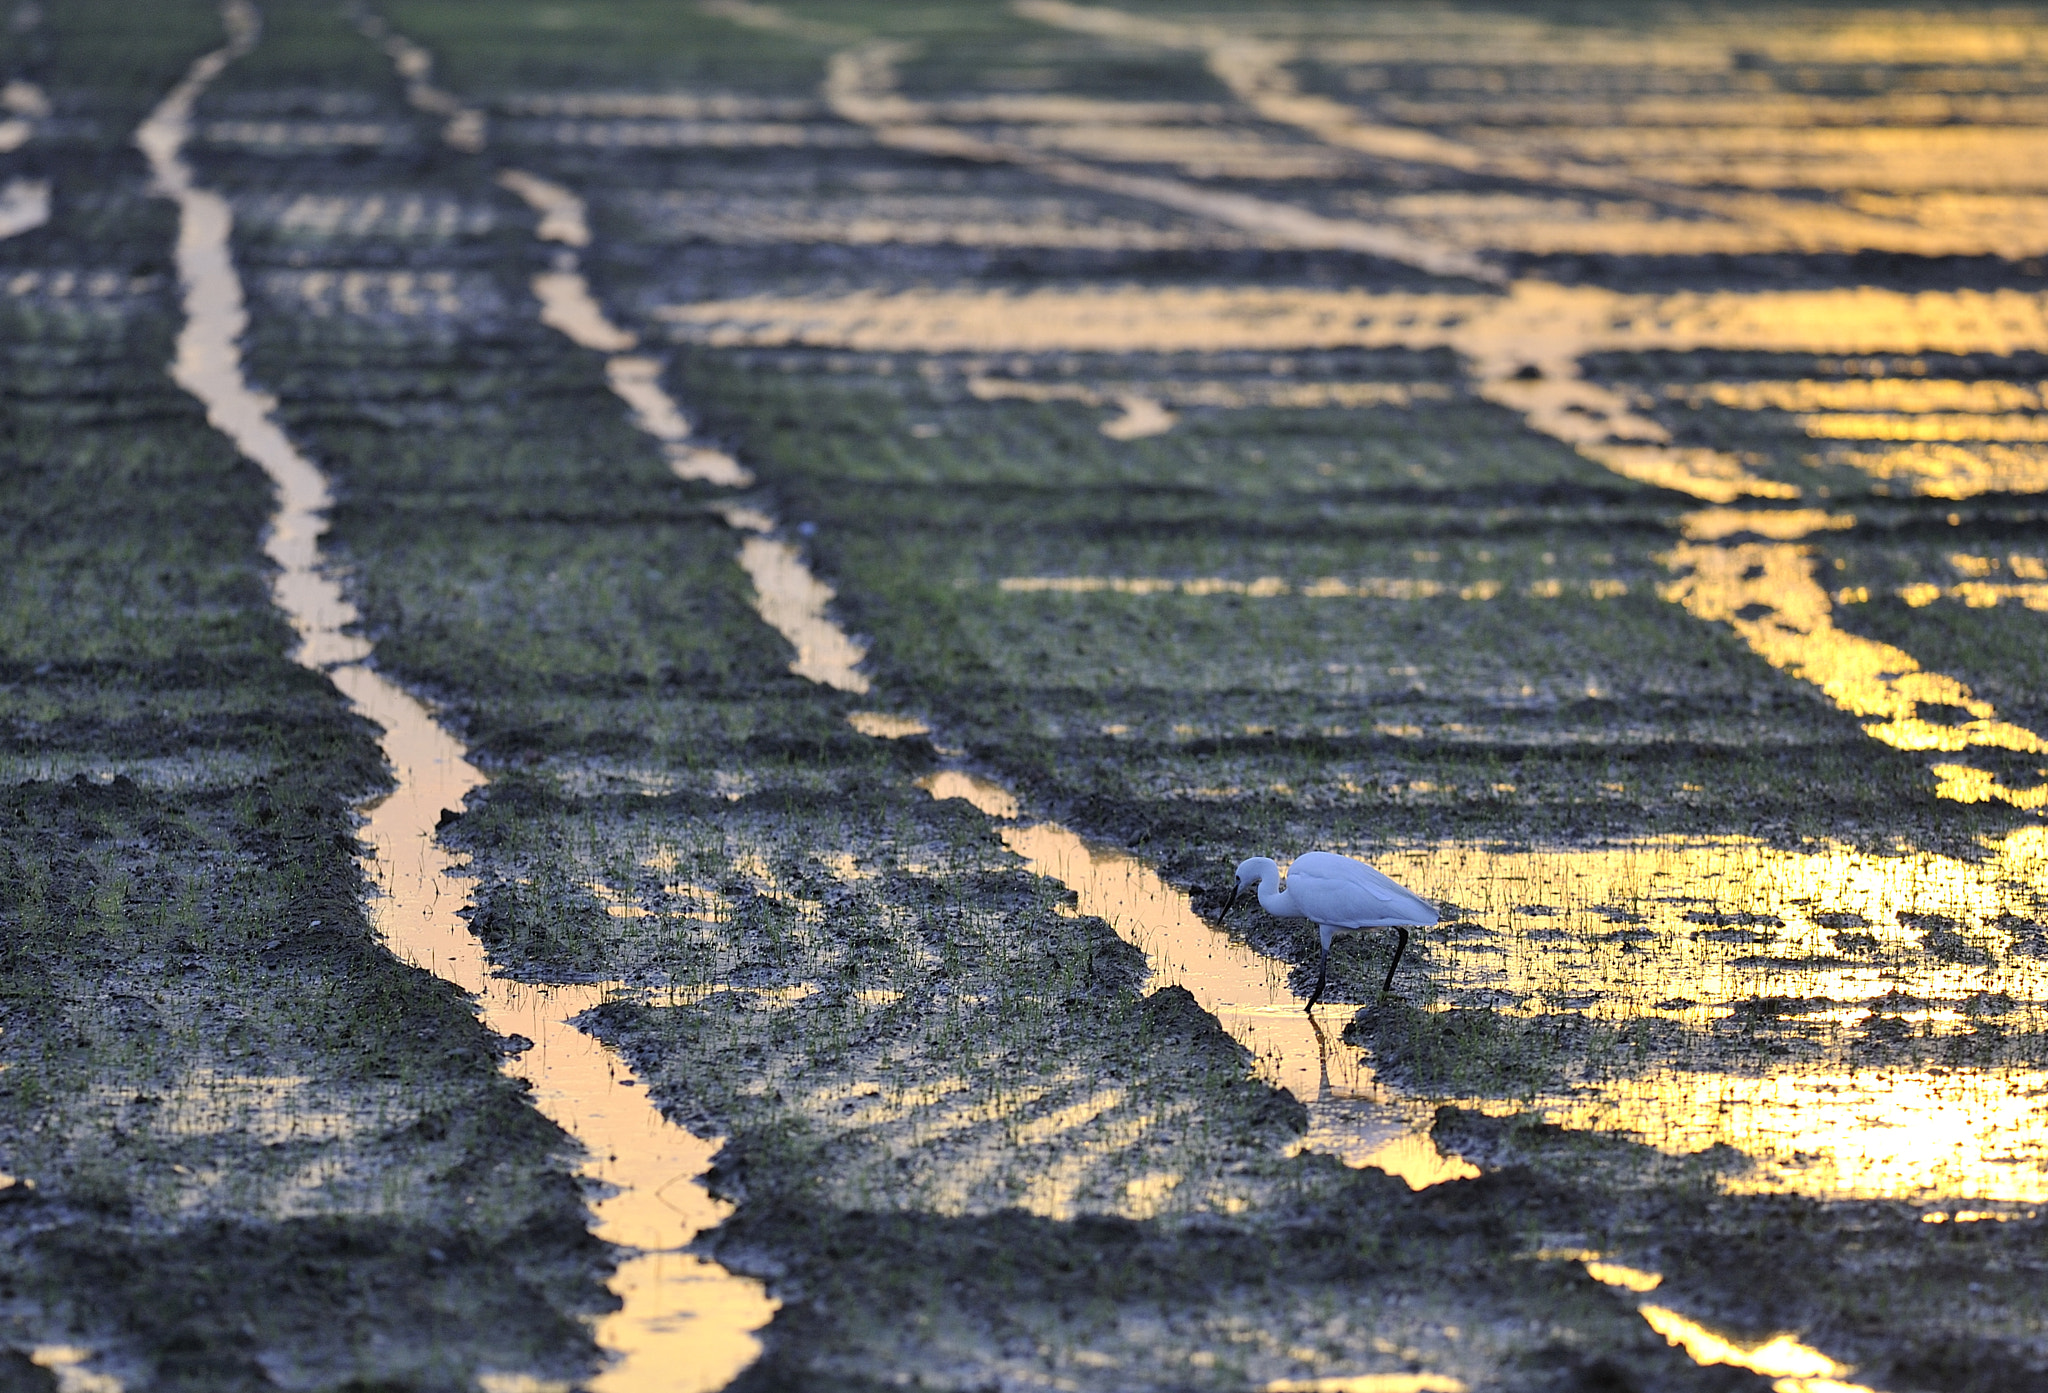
[1250, 873]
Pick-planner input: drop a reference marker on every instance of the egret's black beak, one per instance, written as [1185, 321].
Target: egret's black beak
[1231, 903]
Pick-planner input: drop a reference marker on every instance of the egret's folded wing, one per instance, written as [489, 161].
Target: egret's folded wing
[1357, 895]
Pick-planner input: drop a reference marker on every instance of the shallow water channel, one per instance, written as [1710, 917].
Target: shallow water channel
[684, 1322]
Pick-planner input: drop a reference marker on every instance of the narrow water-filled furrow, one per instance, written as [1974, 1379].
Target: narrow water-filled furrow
[860, 88]
[566, 305]
[684, 1322]
[790, 598]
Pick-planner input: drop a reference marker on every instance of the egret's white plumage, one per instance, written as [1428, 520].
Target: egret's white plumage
[1338, 895]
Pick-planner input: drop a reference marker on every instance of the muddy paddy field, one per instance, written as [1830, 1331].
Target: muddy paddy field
[638, 638]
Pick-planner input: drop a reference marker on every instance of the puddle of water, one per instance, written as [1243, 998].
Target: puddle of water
[883, 726]
[24, 203]
[685, 1323]
[1369, 1383]
[1779, 524]
[1769, 594]
[1616, 1274]
[1889, 394]
[1142, 416]
[67, 1365]
[2030, 567]
[1623, 938]
[1858, 1133]
[1976, 594]
[1952, 471]
[1843, 425]
[1796, 1367]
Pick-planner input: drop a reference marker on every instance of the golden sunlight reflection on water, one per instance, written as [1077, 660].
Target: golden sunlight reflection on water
[1369, 1383]
[1690, 930]
[1795, 1367]
[1349, 1114]
[1767, 592]
[1638, 931]
[1522, 350]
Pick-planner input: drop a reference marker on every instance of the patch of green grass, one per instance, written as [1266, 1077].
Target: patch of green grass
[491, 51]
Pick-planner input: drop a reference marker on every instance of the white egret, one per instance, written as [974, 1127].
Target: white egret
[1338, 895]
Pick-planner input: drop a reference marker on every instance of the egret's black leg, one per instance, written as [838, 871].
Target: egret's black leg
[1400, 947]
[1321, 973]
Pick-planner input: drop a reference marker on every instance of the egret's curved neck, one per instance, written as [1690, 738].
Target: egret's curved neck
[1273, 899]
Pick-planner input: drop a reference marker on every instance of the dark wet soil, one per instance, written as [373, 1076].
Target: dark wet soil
[969, 1145]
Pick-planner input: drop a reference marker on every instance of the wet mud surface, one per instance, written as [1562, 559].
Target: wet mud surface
[842, 523]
